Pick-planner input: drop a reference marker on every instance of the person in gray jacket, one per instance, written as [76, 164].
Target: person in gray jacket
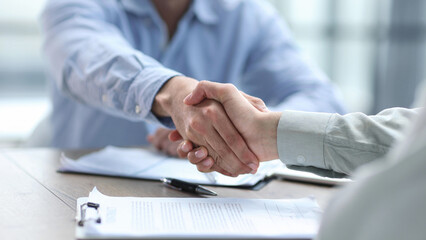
[387, 150]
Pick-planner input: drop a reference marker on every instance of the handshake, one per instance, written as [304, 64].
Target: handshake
[218, 127]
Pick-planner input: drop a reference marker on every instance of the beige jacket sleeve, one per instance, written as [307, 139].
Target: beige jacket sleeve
[332, 144]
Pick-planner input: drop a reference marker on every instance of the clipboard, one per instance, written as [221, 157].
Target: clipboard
[198, 218]
[85, 205]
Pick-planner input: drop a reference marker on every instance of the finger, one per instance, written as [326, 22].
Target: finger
[232, 138]
[174, 135]
[197, 95]
[207, 165]
[184, 148]
[228, 145]
[256, 102]
[223, 156]
[204, 163]
[233, 101]
[216, 168]
[210, 90]
[197, 155]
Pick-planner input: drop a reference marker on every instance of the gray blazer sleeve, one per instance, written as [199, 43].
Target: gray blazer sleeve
[334, 145]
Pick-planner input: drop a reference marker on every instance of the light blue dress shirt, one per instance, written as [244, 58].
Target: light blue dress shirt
[108, 59]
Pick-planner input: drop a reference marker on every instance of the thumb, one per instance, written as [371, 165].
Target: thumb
[221, 93]
[256, 102]
[203, 90]
[235, 103]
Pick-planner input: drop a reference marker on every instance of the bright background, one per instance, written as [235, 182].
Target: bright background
[373, 50]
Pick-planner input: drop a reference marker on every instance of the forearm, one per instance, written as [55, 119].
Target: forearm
[339, 143]
[121, 88]
[93, 63]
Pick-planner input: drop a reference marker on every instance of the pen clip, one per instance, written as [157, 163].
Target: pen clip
[83, 209]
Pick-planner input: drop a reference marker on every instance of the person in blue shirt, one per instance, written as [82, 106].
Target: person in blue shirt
[120, 68]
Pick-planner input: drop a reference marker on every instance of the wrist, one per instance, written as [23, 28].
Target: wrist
[171, 94]
[269, 125]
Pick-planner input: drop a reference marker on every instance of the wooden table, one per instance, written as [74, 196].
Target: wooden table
[39, 203]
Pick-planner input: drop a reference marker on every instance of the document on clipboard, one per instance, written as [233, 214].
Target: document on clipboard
[104, 217]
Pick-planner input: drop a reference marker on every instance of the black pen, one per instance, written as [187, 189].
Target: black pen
[187, 187]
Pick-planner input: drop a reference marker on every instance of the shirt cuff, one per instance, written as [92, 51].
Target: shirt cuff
[151, 81]
[300, 138]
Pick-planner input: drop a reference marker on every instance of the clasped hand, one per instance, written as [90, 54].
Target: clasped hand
[234, 113]
[208, 125]
[204, 124]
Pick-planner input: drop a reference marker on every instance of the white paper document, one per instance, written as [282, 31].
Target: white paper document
[146, 164]
[130, 217]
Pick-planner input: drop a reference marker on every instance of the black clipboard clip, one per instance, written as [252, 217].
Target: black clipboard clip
[83, 209]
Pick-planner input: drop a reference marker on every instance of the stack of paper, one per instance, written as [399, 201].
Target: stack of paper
[146, 164]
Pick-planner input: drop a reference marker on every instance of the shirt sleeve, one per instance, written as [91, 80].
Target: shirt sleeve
[93, 63]
[386, 200]
[278, 72]
[339, 143]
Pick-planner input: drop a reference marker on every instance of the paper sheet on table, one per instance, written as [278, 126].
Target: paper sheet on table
[146, 164]
[129, 217]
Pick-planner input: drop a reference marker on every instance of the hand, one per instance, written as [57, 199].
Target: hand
[160, 140]
[205, 124]
[258, 128]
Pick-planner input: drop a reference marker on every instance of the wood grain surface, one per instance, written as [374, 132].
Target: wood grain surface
[37, 202]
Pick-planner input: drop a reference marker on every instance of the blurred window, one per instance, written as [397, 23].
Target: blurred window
[23, 95]
[340, 36]
[21, 68]
[372, 50]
